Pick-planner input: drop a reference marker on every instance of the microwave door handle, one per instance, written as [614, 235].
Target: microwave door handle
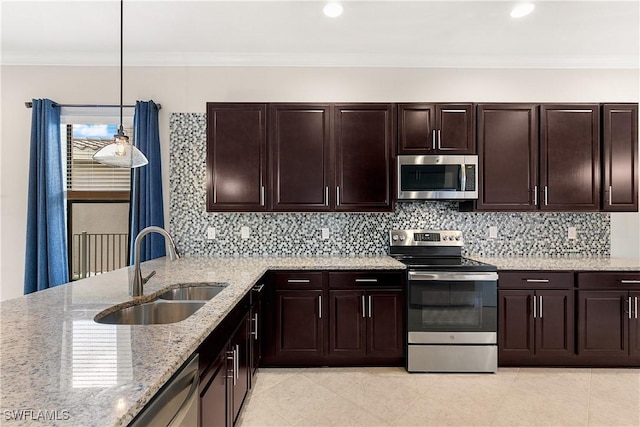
[463, 178]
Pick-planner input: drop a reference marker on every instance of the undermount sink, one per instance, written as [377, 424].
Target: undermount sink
[197, 292]
[152, 313]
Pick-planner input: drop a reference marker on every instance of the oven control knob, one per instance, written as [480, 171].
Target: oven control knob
[457, 237]
[395, 237]
[445, 238]
[401, 238]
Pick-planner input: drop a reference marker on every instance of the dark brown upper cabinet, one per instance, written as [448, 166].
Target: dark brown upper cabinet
[236, 157]
[508, 160]
[363, 143]
[620, 157]
[299, 153]
[436, 129]
[570, 157]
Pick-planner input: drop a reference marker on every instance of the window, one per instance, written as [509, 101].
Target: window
[97, 194]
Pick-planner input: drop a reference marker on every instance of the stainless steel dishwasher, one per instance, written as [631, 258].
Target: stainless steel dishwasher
[177, 403]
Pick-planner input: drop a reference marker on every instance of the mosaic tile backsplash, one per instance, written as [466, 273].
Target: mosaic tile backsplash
[351, 234]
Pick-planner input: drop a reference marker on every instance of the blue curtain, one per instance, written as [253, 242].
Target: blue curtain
[146, 183]
[46, 256]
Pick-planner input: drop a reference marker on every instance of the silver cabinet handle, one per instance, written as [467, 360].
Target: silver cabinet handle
[258, 288]
[635, 307]
[366, 280]
[535, 195]
[537, 280]
[629, 302]
[326, 196]
[370, 306]
[319, 306]
[610, 203]
[231, 355]
[262, 195]
[546, 196]
[237, 352]
[298, 281]
[630, 282]
[534, 307]
[439, 140]
[541, 306]
[338, 196]
[433, 139]
[363, 308]
[255, 327]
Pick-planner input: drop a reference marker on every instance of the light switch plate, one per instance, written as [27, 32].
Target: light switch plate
[244, 232]
[324, 233]
[493, 232]
[211, 233]
[572, 233]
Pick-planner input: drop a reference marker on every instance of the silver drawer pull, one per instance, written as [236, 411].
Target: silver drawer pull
[537, 280]
[298, 281]
[366, 280]
[630, 282]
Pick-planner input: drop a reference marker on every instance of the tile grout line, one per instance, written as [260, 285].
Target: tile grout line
[503, 398]
[589, 398]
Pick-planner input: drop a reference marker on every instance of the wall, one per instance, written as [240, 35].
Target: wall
[187, 89]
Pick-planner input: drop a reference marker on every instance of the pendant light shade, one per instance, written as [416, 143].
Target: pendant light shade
[120, 153]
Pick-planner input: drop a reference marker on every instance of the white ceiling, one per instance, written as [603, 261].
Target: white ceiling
[558, 34]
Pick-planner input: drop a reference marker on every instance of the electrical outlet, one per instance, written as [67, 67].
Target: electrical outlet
[493, 232]
[324, 233]
[211, 233]
[572, 233]
[244, 232]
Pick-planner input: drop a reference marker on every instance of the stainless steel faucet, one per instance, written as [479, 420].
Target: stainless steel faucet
[137, 281]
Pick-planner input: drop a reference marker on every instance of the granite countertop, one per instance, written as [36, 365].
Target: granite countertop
[569, 263]
[59, 367]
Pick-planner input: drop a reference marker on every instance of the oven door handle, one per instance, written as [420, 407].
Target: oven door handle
[452, 277]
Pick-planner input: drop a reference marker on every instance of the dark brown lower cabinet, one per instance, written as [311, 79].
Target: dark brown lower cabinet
[299, 327]
[213, 394]
[535, 327]
[238, 354]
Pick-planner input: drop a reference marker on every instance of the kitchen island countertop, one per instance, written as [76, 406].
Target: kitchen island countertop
[59, 367]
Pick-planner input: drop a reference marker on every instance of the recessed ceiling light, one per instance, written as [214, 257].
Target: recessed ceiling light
[333, 10]
[522, 9]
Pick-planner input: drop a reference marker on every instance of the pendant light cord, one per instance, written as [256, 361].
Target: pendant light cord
[121, 131]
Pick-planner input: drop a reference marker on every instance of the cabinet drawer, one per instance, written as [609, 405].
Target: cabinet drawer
[609, 280]
[535, 279]
[369, 279]
[298, 279]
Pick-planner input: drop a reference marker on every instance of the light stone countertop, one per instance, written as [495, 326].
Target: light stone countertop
[56, 362]
[569, 263]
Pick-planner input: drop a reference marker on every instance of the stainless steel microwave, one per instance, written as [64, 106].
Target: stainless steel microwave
[433, 177]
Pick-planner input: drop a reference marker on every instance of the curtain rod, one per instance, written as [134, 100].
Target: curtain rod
[29, 104]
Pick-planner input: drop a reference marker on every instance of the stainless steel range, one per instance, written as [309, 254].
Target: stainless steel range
[452, 303]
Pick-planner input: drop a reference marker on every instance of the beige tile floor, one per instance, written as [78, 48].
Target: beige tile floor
[392, 397]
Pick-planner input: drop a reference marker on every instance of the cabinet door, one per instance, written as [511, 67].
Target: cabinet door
[620, 157]
[455, 129]
[603, 323]
[570, 157]
[634, 325]
[299, 326]
[236, 157]
[515, 326]
[347, 323]
[240, 382]
[416, 129]
[363, 145]
[508, 156]
[299, 138]
[213, 395]
[385, 323]
[555, 329]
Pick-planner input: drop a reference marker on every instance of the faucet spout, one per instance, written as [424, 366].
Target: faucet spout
[138, 281]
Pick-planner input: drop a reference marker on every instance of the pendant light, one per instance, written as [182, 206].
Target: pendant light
[120, 153]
